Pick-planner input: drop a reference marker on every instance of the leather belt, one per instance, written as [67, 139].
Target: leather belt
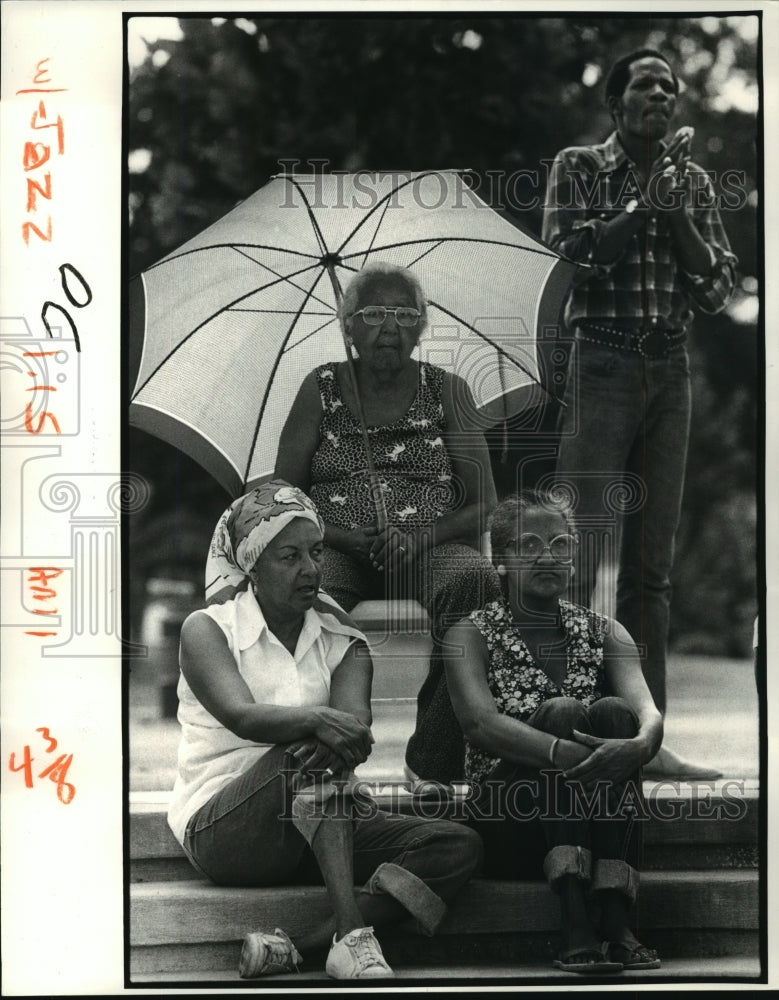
[651, 343]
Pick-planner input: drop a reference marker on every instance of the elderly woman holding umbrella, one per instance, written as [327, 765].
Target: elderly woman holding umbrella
[557, 719]
[432, 483]
[275, 713]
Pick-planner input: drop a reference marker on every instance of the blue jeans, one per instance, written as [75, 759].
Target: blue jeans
[623, 451]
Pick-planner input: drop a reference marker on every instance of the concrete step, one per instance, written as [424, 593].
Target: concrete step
[391, 617]
[704, 826]
[683, 857]
[197, 911]
[196, 926]
[463, 973]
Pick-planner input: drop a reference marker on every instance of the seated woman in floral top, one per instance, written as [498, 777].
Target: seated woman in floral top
[557, 720]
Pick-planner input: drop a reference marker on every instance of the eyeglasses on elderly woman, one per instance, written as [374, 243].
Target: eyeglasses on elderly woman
[375, 315]
[530, 546]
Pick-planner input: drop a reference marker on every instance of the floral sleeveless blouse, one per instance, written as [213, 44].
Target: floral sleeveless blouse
[414, 470]
[517, 683]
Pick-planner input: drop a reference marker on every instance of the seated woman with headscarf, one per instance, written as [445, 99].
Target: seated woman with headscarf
[432, 466]
[275, 714]
[557, 721]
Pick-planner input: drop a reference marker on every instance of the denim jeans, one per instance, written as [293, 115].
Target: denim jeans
[623, 451]
[542, 823]
[245, 835]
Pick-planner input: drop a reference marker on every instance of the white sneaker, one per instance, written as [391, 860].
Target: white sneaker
[263, 954]
[357, 956]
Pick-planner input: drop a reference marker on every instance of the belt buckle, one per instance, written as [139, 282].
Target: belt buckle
[632, 340]
[654, 344]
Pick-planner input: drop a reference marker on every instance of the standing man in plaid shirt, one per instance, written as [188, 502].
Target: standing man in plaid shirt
[643, 218]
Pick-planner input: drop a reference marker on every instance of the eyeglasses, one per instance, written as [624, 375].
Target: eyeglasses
[375, 315]
[561, 547]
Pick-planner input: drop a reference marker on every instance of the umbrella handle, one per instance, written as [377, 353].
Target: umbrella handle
[377, 494]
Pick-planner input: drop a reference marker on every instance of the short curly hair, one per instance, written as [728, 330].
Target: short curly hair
[505, 520]
[379, 269]
[619, 74]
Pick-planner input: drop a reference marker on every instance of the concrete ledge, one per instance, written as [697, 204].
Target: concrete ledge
[391, 616]
[706, 815]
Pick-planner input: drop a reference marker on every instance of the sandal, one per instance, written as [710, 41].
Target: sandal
[633, 958]
[592, 961]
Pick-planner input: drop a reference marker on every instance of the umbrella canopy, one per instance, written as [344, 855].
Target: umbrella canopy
[224, 329]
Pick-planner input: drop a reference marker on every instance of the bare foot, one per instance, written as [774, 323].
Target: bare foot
[668, 764]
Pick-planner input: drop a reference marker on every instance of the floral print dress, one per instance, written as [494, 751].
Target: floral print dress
[518, 685]
[411, 460]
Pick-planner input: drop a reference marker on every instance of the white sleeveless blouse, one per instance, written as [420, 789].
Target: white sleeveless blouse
[210, 755]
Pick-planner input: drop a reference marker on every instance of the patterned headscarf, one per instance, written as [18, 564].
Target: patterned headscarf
[245, 529]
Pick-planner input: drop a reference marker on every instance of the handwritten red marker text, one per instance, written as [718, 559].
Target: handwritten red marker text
[28, 410]
[55, 771]
[37, 155]
[38, 582]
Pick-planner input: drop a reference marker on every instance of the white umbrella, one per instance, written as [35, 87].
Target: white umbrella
[230, 323]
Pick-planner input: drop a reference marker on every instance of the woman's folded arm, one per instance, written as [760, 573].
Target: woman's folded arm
[465, 659]
[214, 678]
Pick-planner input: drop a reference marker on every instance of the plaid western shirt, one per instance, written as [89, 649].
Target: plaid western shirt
[645, 286]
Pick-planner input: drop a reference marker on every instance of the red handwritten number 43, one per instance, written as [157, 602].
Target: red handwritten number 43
[56, 771]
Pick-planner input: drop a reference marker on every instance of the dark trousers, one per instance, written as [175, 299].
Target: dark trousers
[533, 822]
[623, 451]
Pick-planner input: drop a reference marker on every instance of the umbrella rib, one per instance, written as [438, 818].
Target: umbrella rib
[282, 351]
[439, 240]
[226, 246]
[311, 216]
[489, 341]
[278, 274]
[208, 319]
[282, 312]
[375, 233]
[430, 249]
[309, 335]
[385, 201]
